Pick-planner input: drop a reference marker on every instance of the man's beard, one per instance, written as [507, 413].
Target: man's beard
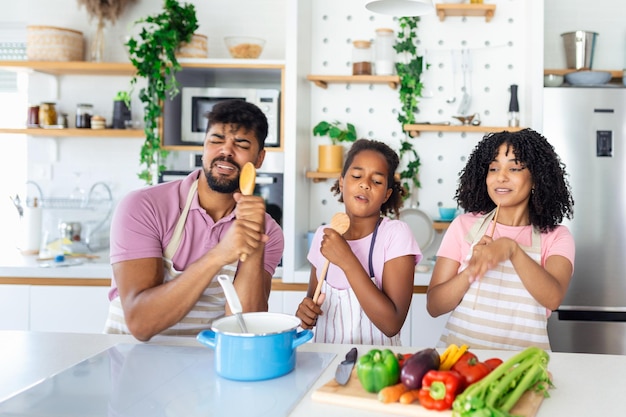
[219, 183]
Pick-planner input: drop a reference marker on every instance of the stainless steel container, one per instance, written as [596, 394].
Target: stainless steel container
[579, 49]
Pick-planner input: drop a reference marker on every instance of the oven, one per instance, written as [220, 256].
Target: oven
[269, 185]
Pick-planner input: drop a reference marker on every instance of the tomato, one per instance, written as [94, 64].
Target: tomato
[470, 368]
[402, 358]
[493, 363]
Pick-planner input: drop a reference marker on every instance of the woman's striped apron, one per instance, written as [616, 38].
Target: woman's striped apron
[505, 315]
[210, 305]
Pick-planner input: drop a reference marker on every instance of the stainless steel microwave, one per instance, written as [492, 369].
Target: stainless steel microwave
[197, 102]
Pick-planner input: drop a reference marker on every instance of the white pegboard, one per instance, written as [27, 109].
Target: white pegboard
[497, 61]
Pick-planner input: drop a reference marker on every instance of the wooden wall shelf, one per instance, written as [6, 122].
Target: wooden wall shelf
[450, 9]
[70, 132]
[415, 129]
[322, 176]
[322, 81]
[71, 68]
[619, 74]
[440, 226]
[126, 68]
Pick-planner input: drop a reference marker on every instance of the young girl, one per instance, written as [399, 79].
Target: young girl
[502, 277]
[367, 291]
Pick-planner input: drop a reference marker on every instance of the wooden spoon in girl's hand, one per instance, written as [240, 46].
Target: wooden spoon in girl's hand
[340, 223]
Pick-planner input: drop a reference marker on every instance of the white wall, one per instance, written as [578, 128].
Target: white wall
[504, 51]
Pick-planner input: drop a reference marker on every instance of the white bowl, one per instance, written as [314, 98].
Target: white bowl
[244, 47]
[588, 77]
[552, 80]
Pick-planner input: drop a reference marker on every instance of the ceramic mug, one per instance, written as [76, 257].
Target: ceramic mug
[447, 213]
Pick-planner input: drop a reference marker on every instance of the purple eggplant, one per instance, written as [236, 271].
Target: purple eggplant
[416, 367]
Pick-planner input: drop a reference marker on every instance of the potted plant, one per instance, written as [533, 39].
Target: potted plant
[409, 72]
[330, 157]
[152, 53]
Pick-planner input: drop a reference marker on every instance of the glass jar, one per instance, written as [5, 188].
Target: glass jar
[362, 58]
[83, 116]
[384, 55]
[47, 114]
[33, 116]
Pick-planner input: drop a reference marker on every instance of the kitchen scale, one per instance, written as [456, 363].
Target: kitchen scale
[137, 380]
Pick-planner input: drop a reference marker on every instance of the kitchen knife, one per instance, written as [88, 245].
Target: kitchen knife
[344, 369]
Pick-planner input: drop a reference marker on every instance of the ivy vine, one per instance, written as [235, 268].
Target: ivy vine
[409, 71]
[153, 55]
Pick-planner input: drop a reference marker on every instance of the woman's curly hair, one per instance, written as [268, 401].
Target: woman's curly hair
[395, 200]
[551, 198]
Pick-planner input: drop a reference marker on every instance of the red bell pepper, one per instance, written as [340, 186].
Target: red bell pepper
[493, 363]
[439, 389]
[402, 358]
[471, 369]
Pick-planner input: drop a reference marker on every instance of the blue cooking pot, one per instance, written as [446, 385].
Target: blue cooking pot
[267, 351]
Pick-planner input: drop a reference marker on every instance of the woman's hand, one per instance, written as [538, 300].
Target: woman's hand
[487, 254]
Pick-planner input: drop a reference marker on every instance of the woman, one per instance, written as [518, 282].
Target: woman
[501, 277]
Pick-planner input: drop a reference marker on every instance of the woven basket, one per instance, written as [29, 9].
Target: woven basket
[196, 48]
[49, 43]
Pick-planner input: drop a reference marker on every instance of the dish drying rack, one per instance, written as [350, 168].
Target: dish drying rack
[98, 199]
[91, 202]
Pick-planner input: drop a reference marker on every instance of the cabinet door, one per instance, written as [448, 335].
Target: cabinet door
[14, 314]
[425, 330]
[68, 309]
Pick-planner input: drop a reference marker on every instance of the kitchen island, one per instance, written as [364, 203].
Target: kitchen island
[586, 385]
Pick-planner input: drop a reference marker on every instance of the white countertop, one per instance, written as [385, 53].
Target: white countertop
[14, 264]
[586, 385]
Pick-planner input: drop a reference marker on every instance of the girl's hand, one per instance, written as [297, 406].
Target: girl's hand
[308, 311]
[334, 247]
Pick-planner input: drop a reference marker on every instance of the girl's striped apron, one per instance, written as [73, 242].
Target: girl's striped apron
[210, 305]
[344, 321]
[505, 315]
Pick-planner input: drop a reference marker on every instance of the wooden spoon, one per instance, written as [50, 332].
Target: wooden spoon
[493, 229]
[247, 181]
[340, 223]
[247, 178]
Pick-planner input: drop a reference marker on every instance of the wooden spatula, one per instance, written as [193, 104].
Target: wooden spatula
[247, 181]
[493, 230]
[340, 222]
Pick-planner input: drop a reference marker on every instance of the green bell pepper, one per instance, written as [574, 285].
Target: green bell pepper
[378, 369]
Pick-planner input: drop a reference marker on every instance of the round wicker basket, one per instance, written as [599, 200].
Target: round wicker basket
[196, 48]
[49, 43]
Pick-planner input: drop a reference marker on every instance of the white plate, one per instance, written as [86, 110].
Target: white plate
[421, 224]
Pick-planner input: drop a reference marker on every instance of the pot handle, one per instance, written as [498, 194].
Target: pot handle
[302, 337]
[207, 337]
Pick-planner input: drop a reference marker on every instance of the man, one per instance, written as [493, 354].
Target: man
[169, 241]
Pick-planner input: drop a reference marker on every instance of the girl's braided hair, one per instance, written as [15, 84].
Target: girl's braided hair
[551, 198]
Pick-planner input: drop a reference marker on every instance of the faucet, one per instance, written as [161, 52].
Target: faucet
[106, 217]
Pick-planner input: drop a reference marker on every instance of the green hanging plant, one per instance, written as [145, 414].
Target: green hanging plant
[152, 53]
[410, 90]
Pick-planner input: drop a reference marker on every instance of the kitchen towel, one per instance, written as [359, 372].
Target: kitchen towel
[31, 230]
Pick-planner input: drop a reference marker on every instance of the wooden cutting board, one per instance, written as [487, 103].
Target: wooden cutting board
[353, 395]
